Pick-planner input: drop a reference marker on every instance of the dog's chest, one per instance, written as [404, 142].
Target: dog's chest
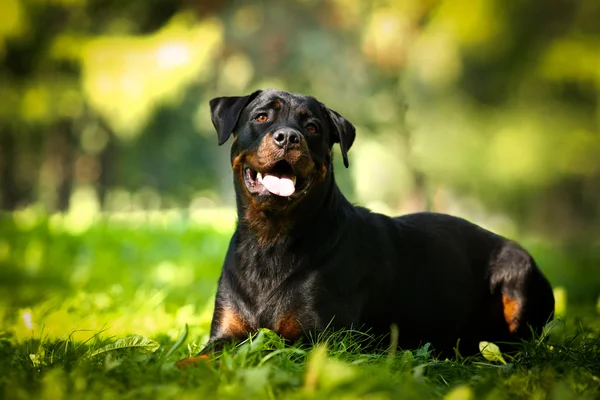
[287, 310]
[285, 306]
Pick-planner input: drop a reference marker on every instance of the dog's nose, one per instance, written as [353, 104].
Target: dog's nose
[285, 138]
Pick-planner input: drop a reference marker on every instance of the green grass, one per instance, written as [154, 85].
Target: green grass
[105, 309]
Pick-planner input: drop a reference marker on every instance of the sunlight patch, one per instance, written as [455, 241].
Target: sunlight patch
[126, 77]
[460, 393]
[27, 318]
[26, 219]
[83, 211]
[170, 273]
[560, 301]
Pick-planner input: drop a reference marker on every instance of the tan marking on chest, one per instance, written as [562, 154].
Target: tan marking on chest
[289, 327]
[232, 324]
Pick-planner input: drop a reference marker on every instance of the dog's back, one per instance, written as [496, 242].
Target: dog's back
[469, 282]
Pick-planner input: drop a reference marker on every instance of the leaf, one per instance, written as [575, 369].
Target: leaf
[256, 342]
[179, 342]
[136, 342]
[407, 358]
[555, 326]
[491, 352]
[316, 363]
[424, 352]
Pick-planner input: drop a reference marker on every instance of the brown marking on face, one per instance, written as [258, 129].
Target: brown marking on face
[289, 327]
[238, 162]
[266, 154]
[303, 112]
[231, 323]
[276, 105]
[512, 312]
[237, 165]
[323, 172]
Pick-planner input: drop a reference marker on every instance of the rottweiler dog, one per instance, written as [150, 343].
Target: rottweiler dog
[304, 259]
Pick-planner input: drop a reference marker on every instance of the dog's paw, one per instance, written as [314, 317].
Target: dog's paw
[192, 361]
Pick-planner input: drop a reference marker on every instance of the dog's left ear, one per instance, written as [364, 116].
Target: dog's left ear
[225, 112]
[343, 132]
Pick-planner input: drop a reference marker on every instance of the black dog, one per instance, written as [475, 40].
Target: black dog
[303, 258]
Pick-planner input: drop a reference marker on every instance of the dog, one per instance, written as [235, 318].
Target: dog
[304, 259]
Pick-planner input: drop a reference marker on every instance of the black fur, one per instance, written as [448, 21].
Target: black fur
[313, 260]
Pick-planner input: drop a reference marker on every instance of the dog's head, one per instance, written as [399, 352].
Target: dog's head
[282, 145]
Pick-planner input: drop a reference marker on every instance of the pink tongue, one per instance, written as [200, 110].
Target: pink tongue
[280, 186]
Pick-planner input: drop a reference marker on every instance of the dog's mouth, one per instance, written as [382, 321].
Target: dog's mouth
[279, 179]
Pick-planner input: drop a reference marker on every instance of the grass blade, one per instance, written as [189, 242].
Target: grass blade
[179, 342]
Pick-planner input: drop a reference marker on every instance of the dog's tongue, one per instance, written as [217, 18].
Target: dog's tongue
[281, 186]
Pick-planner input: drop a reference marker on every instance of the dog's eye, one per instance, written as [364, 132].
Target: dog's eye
[260, 118]
[311, 128]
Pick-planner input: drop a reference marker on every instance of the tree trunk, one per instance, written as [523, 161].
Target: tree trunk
[9, 197]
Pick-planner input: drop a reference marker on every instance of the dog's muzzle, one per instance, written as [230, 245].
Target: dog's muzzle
[279, 180]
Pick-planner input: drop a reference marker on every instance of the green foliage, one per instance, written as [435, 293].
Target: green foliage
[491, 352]
[264, 366]
[103, 312]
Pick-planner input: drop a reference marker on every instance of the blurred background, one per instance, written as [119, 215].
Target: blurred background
[114, 191]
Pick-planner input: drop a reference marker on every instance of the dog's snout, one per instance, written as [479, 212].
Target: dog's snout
[285, 138]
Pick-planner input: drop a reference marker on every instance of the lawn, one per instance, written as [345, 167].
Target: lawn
[102, 308]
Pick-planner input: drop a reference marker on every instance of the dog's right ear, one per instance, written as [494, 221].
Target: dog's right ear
[225, 111]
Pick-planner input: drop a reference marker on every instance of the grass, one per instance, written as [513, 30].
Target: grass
[105, 310]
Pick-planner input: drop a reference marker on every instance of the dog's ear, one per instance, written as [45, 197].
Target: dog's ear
[343, 132]
[225, 111]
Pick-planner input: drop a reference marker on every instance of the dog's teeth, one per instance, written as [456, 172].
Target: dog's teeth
[259, 177]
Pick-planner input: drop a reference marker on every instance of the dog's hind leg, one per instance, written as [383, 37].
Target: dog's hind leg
[527, 298]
